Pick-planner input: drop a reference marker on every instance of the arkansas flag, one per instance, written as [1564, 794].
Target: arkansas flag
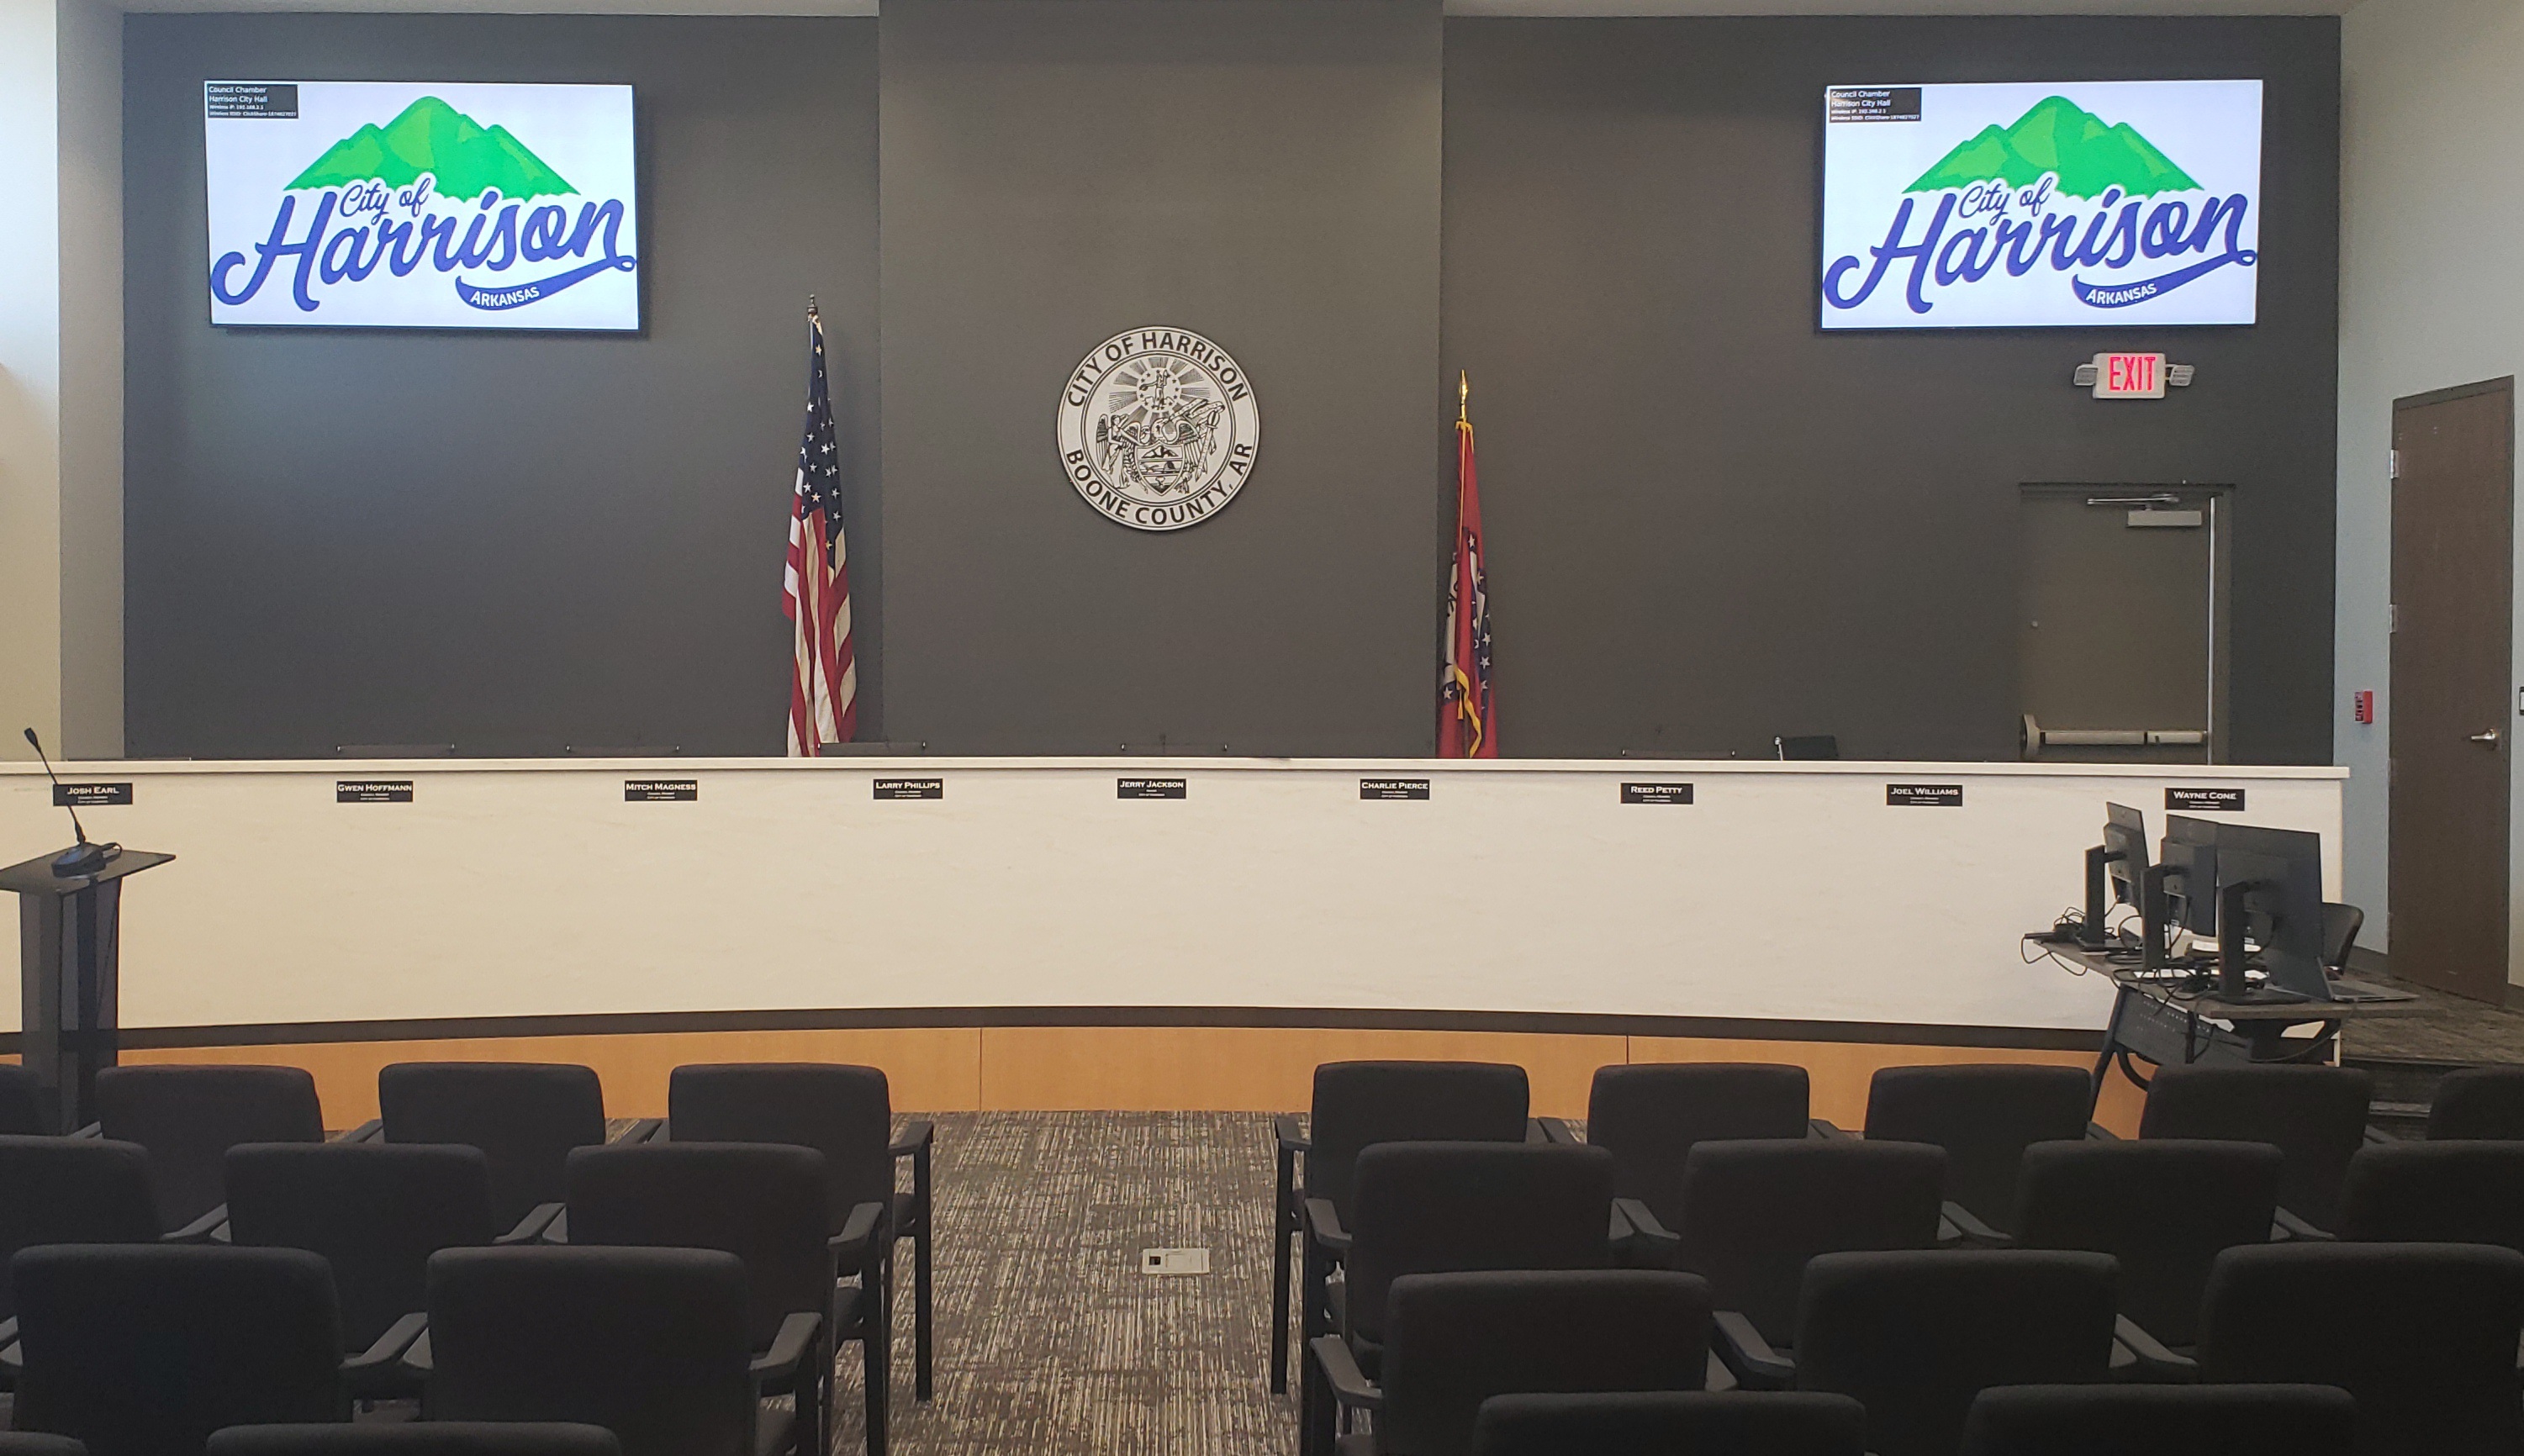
[1467, 717]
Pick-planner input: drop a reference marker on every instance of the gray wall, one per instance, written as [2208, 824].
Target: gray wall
[1263, 173]
[1709, 521]
[508, 542]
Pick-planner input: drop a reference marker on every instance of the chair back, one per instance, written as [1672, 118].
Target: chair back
[760, 1201]
[188, 1117]
[1915, 1336]
[2478, 1102]
[1361, 1104]
[524, 1116]
[417, 1438]
[2340, 927]
[2314, 1116]
[2460, 1191]
[649, 1343]
[843, 1112]
[1448, 1208]
[21, 1103]
[2423, 1334]
[2161, 1420]
[1806, 745]
[2166, 1210]
[1649, 1117]
[145, 1349]
[1457, 1340]
[376, 1211]
[1755, 1211]
[71, 1191]
[39, 1444]
[1777, 1422]
[1984, 1116]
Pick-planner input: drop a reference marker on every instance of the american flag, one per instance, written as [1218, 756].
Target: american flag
[1467, 717]
[824, 680]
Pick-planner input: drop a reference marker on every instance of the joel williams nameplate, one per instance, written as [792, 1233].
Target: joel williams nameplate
[1929, 796]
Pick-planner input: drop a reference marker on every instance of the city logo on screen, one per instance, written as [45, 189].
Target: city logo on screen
[2111, 202]
[1158, 428]
[432, 214]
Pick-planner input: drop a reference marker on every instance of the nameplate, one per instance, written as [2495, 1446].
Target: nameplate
[1656, 794]
[1151, 787]
[373, 790]
[1924, 796]
[662, 791]
[89, 795]
[911, 787]
[2205, 801]
[1393, 788]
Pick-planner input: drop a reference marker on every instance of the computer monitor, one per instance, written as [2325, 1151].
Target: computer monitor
[2125, 858]
[2270, 890]
[2189, 860]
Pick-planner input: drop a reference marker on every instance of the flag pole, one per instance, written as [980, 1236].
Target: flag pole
[811, 314]
[1463, 391]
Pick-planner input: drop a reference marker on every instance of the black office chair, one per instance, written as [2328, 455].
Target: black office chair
[1650, 1116]
[2466, 1191]
[1457, 1340]
[2423, 1334]
[1755, 1211]
[1451, 1207]
[2478, 1102]
[39, 1444]
[2340, 926]
[1984, 1116]
[188, 1117]
[70, 1191]
[847, 1114]
[2161, 1420]
[416, 1438]
[21, 1103]
[1811, 746]
[763, 1202]
[2164, 1210]
[376, 1212]
[524, 1116]
[1356, 1105]
[2314, 1116]
[144, 1350]
[1772, 1423]
[1915, 1336]
[651, 1343]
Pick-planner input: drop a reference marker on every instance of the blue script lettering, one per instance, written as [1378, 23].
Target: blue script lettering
[493, 237]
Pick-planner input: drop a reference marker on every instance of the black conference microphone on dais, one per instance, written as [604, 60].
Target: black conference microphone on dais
[82, 858]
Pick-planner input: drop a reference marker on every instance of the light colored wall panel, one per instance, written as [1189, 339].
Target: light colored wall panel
[930, 1069]
[1255, 1069]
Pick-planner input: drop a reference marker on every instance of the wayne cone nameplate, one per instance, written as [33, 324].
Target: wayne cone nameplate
[1158, 428]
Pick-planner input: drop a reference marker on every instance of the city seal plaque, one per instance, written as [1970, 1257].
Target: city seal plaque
[1158, 428]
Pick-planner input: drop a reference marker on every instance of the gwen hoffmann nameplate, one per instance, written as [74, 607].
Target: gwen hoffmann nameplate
[1158, 428]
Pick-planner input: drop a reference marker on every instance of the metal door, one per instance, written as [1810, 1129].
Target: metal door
[2121, 623]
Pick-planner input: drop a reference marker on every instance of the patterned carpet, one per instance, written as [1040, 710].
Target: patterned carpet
[1049, 1338]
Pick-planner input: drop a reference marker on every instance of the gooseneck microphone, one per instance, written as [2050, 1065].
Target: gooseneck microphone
[83, 858]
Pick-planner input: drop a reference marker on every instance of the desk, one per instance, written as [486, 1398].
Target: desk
[2155, 1020]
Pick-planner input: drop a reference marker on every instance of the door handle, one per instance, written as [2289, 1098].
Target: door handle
[2490, 738]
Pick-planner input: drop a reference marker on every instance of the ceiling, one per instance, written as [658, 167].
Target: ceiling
[1453, 7]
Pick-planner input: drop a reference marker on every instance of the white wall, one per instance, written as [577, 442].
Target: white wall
[2432, 295]
[530, 888]
[61, 374]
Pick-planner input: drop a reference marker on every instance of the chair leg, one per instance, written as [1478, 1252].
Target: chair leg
[876, 1343]
[922, 1324]
[1281, 1218]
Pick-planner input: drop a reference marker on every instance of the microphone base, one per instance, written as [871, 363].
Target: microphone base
[83, 859]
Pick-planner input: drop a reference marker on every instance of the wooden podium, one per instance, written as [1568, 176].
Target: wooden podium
[68, 937]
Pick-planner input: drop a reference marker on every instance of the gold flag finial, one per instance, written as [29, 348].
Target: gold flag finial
[1463, 395]
[810, 309]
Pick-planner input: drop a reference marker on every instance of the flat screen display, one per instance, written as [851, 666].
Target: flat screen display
[405, 205]
[2041, 205]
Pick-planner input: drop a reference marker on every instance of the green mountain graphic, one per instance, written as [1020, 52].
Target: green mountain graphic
[431, 137]
[2058, 135]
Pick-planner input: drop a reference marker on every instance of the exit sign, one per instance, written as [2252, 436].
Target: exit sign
[2129, 376]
